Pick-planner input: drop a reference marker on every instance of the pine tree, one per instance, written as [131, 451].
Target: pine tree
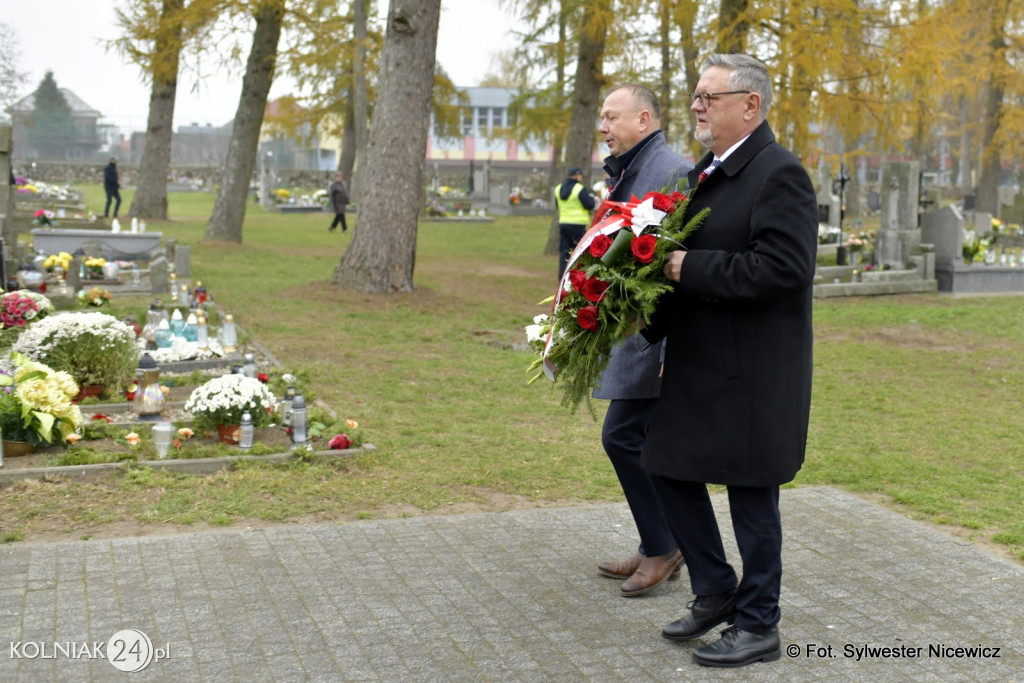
[51, 128]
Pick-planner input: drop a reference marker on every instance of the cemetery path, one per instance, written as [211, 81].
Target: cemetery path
[867, 594]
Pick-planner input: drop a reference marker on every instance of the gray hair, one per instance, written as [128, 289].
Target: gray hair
[747, 74]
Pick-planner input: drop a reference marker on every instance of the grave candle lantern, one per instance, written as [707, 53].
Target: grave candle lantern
[228, 334]
[149, 396]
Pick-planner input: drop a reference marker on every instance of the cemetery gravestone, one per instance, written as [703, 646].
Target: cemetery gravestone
[74, 275]
[158, 268]
[182, 261]
[899, 236]
[944, 228]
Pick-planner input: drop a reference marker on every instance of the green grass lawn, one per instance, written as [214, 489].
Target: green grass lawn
[916, 398]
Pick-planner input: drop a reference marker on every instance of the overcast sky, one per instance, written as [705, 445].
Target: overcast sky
[65, 36]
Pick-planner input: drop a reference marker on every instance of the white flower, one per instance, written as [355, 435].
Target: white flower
[645, 215]
[39, 339]
[230, 394]
[536, 333]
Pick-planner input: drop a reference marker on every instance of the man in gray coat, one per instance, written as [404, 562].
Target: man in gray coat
[736, 394]
[640, 162]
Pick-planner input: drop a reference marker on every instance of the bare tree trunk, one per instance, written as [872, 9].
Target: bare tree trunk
[579, 147]
[382, 255]
[555, 170]
[347, 158]
[732, 27]
[685, 13]
[666, 70]
[229, 208]
[963, 162]
[151, 196]
[360, 105]
[991, 166]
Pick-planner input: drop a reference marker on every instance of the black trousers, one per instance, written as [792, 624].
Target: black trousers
[623, 435]
[758, 528]
[569, 235]
[339, 219]
[112, 194]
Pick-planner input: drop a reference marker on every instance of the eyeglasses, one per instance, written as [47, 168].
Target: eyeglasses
[706, 97]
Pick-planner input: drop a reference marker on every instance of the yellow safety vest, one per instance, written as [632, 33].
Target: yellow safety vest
[571, 210]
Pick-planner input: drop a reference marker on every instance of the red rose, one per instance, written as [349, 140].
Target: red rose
[587, 318]
[577, 278]
[661, 202]
[677, 198]
[340, 442]
[643, 248]
[593, 289]
[263, 377]
[600, 245]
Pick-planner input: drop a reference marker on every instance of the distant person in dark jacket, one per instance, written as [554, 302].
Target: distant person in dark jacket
[112, 186]
[575, 202]
[337, 193]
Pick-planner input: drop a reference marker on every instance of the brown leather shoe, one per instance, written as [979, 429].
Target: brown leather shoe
[653, 571]
[620, 570]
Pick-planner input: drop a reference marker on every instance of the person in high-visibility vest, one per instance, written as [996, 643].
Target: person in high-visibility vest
[575, 202]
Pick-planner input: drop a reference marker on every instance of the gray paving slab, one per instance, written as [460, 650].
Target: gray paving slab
[510, 596]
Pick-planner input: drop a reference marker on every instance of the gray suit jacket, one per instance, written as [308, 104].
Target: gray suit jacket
[632, 371]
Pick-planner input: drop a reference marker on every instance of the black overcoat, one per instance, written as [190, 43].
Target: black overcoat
[736, 392]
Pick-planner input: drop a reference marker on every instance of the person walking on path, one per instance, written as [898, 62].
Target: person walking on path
[640, 162]
[338, 195]
[575, 201]
[736, 393]
[112, 186]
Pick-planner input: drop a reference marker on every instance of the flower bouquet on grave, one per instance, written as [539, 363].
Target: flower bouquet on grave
[612, 282]
[35, 402]
[222, 401]
[44, 218]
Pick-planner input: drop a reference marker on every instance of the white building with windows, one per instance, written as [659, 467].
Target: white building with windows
[485, 124]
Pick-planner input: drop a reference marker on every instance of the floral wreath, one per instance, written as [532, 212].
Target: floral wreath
[612, 282]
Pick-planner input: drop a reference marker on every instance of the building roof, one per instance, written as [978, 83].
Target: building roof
[78, 105]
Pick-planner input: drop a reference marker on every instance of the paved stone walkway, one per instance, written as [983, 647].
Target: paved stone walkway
[499, 597]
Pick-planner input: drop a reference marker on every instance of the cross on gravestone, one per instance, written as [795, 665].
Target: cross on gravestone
[158, 268]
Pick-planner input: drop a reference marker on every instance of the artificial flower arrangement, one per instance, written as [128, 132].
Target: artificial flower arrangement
[94, 348]
[35, 402]
[45, 218]
[19, 309]
[857, 241]
[222, 400]
[973, 247]
[94, 266]
[611, 283]
[54, 261]
[94, 296]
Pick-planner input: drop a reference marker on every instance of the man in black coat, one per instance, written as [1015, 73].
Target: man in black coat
[736, 391]
[112, 186]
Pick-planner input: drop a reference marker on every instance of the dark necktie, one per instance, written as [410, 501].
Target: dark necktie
[707, 171]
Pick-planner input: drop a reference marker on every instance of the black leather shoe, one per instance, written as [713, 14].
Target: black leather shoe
[737, 647]
[706, 612]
